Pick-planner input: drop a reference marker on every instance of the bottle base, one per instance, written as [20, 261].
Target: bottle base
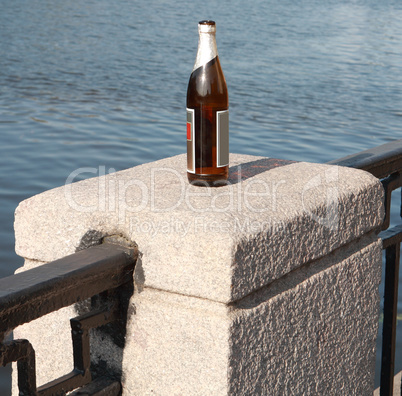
[207, 180]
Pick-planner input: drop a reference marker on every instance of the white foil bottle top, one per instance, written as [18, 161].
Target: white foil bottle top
[207, 49]
[206, 27]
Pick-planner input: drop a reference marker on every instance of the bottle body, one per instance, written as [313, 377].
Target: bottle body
[207, 114]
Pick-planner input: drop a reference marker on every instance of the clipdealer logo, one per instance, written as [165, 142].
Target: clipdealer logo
[323, 184]
[126, 197]
[199, 225]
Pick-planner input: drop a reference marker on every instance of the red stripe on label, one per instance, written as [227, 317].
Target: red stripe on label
[189, 131]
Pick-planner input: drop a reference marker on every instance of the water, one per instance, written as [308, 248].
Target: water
[90, 83]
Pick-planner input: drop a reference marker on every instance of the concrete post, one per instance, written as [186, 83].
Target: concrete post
[266, 286]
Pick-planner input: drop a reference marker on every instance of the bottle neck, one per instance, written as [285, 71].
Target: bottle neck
[207, 49]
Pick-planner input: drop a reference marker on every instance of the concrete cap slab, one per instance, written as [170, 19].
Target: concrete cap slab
[218, 243]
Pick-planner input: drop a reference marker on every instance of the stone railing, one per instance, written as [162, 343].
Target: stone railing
[265, 286]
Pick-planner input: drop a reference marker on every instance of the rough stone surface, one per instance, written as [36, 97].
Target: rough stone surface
[176, 345]
[312, 332]
[215, 243]
[267, 286]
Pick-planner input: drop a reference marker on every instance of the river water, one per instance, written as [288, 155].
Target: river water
[99, 83]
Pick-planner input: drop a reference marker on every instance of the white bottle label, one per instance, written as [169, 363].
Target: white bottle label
[222, 138]
[190, 141]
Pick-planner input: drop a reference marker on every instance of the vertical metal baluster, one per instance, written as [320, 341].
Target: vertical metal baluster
[400, 213]
[27, 370]
[392, 255]
[82, 360]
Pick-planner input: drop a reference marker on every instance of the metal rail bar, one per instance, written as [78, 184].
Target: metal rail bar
[380, 161]
[62, 283]
[22, 352]
[99, 387]
[102, 272]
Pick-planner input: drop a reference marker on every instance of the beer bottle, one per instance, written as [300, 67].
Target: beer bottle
[207, 114]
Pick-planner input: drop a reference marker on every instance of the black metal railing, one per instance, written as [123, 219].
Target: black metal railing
[103, 273]
[385, 162]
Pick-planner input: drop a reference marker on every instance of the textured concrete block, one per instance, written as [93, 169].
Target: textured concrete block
[215, 243]
[176, 345]
[313, 332]
[268, 285]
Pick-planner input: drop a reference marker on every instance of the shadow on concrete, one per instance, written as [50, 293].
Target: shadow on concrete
[241, 172]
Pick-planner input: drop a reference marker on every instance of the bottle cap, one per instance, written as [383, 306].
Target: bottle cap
[207, 26]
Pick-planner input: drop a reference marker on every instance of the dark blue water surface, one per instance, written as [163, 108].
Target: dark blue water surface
[94, 82]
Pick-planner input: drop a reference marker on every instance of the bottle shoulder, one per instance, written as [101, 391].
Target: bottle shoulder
[207, 83]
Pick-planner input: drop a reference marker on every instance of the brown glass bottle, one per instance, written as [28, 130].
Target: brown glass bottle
[207, 114]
